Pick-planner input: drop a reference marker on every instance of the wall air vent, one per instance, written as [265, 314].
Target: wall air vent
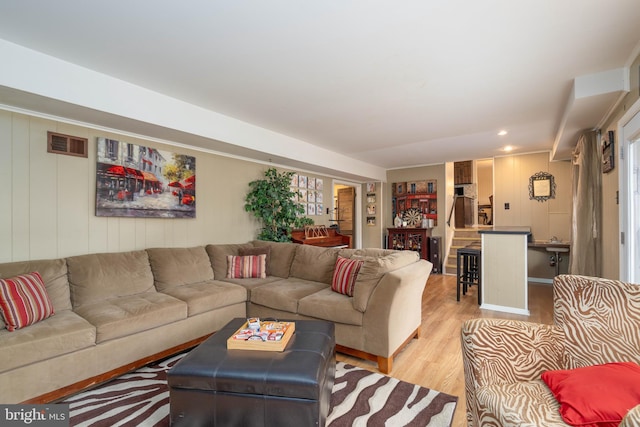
[58, 143]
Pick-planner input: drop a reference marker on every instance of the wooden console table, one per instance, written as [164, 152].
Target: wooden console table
[412, 239]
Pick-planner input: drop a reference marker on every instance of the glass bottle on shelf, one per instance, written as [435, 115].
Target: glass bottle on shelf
[397, 221]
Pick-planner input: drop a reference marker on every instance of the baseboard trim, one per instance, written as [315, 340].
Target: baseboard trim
[505, 309]
[540, 280]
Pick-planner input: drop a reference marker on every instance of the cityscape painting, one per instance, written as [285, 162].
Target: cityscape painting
[144, 182]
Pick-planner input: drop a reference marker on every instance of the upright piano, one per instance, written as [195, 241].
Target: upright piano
[320, 235]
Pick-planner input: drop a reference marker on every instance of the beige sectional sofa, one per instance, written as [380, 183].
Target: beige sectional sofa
[596, 322]
[117, 311]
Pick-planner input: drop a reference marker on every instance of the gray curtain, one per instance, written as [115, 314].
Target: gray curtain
[586, 235]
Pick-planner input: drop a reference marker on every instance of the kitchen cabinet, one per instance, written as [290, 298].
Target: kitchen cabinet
[463, 172]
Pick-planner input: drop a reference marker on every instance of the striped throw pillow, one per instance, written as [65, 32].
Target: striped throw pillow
[24, 301]
[345, 275]
[243, 267]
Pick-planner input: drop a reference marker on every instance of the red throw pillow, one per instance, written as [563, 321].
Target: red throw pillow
[595, 396]
[24, 301]
[258, 251]
[243, 267]
[345, 275]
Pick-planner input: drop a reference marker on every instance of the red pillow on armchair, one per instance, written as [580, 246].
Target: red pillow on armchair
[595, 396]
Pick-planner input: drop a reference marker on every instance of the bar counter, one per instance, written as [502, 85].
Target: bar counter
[504, 269]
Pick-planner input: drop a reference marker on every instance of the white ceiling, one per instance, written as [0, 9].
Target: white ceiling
[390, 83]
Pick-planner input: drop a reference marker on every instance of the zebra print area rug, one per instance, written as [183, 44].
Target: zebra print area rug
[359, 398]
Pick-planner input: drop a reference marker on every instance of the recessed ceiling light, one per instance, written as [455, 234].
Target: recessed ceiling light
[502, 133]
[507, 148]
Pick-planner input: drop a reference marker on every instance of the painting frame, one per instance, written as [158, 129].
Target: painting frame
[138, 181]
[542, 187]
[608, 153]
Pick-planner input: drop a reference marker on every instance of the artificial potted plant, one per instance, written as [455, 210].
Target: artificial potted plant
[273, 202]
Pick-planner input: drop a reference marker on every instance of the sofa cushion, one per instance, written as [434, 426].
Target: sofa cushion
[98, 277]
[266, 250]
[526, 403]
[209, 295]
[24, 301]
[54, 275]
[250, 284]
[314, 263]
[63, 333]
[597, 395]
[127, 315]
[284, 294]
[246, 267]
[218, 257]
[281, 256]
[372, 271]
[332, 306]
[345, 275]
[179, 266]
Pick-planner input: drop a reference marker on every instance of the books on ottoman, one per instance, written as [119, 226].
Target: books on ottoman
[263, 336]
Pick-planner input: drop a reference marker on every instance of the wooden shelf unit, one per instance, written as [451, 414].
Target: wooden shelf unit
[412, 239]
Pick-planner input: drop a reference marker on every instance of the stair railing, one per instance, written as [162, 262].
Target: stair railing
[453, 207]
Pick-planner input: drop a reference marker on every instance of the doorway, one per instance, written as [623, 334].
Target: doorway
[484, 174]
[346, 213]
[630, 197]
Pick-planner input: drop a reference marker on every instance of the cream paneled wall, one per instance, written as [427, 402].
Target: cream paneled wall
[48, 200]
[611, 244]
[546, 219]
[610, 219]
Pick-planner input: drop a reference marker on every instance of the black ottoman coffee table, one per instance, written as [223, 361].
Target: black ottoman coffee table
[213, 386]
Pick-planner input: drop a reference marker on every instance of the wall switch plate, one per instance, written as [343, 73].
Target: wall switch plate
[506, 206]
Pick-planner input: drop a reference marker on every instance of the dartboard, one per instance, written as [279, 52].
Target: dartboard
[413, 217]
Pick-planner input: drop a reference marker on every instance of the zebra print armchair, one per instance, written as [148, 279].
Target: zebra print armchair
[596, 321]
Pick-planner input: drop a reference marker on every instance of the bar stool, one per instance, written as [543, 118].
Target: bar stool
[468, 263]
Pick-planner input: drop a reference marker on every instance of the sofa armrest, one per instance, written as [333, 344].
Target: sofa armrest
[498, 352]
[394, 311]
[632, 419]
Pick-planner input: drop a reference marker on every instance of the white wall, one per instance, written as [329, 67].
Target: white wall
[54, 82]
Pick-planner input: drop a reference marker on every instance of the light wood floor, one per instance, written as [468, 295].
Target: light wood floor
[435, 359]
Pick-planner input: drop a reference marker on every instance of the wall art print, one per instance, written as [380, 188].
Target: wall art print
[608, 152]
[144, 182]
[309, 193]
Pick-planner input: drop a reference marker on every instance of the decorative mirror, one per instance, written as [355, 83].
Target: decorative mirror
[542, 187]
